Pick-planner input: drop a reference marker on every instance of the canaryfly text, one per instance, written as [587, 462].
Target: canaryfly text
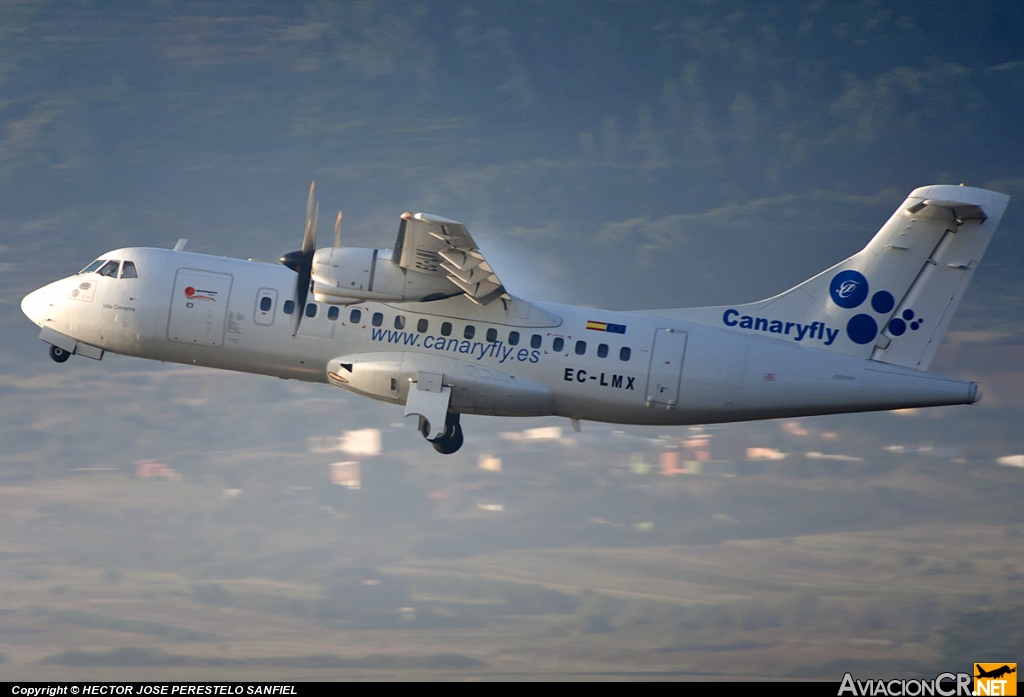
[798, 332]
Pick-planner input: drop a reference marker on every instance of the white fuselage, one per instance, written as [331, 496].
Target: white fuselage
[209, 311]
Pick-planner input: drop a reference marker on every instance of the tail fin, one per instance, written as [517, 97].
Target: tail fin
[893, 300]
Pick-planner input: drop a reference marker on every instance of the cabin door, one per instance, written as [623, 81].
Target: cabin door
[199, 306]
[666, 367]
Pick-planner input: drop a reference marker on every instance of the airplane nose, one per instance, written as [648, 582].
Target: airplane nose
[34, 305]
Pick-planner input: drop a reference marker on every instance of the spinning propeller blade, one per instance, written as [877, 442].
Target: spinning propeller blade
[301, 262]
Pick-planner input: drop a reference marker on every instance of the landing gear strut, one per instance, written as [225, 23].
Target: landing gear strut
[58, 354]
[451, 440]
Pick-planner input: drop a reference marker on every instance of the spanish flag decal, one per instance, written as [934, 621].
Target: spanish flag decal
[606, 327]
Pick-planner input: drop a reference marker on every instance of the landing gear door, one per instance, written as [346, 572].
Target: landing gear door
[666, 368]
[199, 306]
[429, 398]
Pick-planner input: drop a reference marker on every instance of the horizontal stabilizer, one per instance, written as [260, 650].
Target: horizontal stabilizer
[949, 210]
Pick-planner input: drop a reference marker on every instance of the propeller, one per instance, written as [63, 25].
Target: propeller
[301, 262]
[337, 231]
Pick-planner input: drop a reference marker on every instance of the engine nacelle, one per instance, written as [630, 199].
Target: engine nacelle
[475, 389]
[346, 275]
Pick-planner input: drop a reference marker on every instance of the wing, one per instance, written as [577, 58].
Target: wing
[436, 246]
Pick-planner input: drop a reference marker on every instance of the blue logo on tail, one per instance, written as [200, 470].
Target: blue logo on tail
[862, 329]
[849, 289]
[898, 325]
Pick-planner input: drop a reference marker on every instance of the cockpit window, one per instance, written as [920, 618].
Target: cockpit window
[128, 270]
[109, 269]
[93, 266]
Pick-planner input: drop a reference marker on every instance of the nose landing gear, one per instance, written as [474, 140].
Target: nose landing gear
[58, 354]
[451, 440]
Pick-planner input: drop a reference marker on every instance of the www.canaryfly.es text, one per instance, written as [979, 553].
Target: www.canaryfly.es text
[477, 349]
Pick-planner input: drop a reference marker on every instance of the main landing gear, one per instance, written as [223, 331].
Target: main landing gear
[451, 440]
[58, 354]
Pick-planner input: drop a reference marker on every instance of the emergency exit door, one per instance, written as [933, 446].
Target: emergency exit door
[199, 306]
[666, 367]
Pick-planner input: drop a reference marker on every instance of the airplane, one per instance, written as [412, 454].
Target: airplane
[995, 673]
[429, 326]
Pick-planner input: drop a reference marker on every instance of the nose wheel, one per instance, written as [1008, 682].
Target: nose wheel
[58, 354]
[451, 440]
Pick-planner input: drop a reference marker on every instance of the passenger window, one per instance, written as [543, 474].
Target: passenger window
[355, 316]
[399, 321]
[128, 270]
[289, 307]
[446, 329]
[332, 314]
[558, 344]
[535, 341]
[513, 338]
[492, 335]
[602, 350]
[93, 266]
[378, 319]
[311, 310]
[109, 269]
[469, 332]
[266, 303]
[581, 348]
[624, 353]
[423, 325]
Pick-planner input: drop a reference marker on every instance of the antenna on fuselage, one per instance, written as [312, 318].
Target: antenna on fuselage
[180, 246]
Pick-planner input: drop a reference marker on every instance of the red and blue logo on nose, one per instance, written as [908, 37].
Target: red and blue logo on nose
[193, 294]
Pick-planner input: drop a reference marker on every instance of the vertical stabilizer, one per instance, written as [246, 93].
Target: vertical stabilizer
[893, 300]
[967, 218]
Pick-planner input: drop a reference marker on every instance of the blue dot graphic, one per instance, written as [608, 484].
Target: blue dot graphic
[862, 329]
[849, 289]
[882, 302]
[897, 327]
[915, 325]
[908, 315]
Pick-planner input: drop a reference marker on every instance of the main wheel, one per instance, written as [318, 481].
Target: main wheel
[58, 354]
[448, 444]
